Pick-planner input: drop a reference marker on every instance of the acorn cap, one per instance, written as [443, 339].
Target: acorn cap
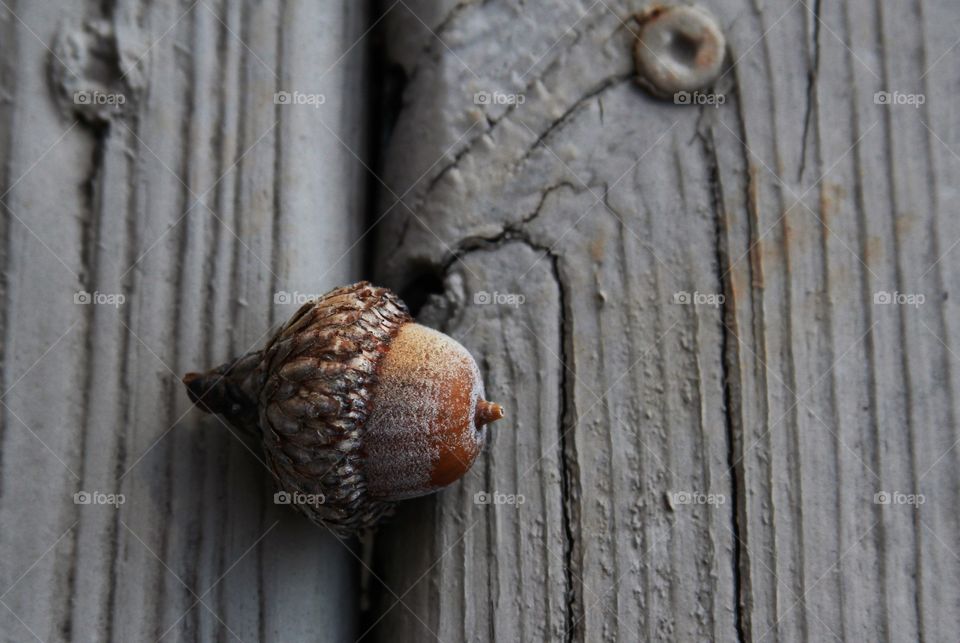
[320, 372]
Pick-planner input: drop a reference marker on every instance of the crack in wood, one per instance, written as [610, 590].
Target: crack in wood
[811, 88]
[730, 379]
[569, 465]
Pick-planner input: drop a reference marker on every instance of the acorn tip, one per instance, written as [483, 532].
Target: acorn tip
[488, 412]
[194, 384]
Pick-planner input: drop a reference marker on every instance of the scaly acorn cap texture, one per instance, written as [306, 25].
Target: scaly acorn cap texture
[356, 405]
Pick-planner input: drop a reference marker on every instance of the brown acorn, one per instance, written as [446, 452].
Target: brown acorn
[356, 405]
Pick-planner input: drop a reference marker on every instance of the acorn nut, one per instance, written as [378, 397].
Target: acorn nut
[356, 405]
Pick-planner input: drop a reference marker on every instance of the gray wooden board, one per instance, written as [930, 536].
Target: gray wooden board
[786, 409]
[801, 200]
[199, 200]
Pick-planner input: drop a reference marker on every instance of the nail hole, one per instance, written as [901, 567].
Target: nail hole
[684, 48]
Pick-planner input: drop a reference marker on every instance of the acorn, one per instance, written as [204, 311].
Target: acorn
[356, 405]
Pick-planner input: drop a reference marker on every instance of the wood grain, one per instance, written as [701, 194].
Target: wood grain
[716, 427]
[802, 201]
[199, 200]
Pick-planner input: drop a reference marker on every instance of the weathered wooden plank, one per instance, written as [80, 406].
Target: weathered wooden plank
[797, 401]
[501, 566]
[842, 397]
[199, 200]
[802, 200]
[609, 196]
